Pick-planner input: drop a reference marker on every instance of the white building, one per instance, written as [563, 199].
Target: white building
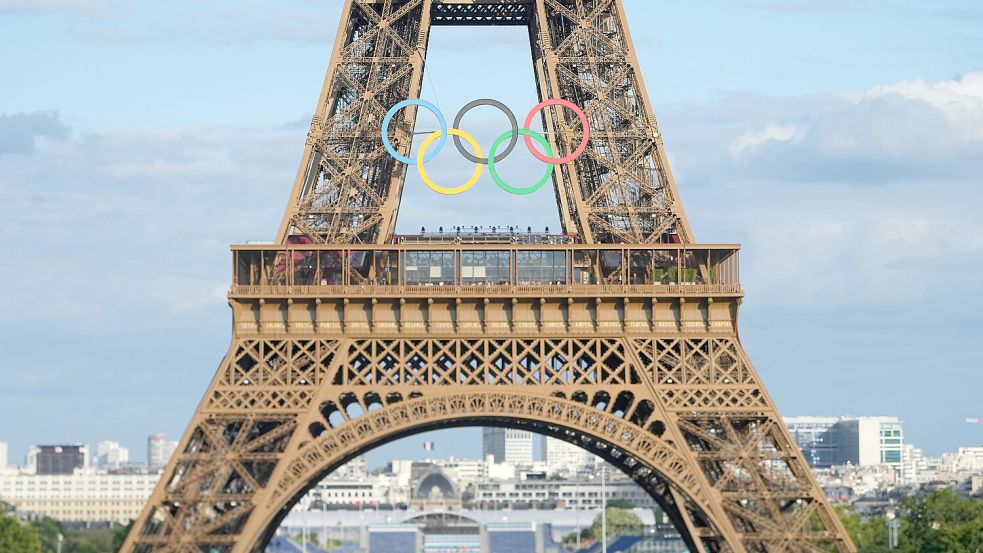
[863, 441]
[464, 471]
[3, 455]
[86, 496]
[159, 451]
[368, 492]
[111, 455]
[565, 458]
[916, 468]
[968, 459]
[566, 494]
[352, 470]
[507, 445]
[57, 459]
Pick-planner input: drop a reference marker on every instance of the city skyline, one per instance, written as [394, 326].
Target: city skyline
[749, 127]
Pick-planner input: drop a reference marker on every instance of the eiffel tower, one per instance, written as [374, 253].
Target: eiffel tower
[619, 335]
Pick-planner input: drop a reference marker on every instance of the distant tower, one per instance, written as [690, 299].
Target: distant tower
[111, 455]
[507, 445]
[562, 456]
[57, 459]
[159, 451]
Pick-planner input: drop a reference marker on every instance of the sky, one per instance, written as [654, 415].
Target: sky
[840, 141]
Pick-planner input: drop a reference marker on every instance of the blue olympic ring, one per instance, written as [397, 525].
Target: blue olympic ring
[424, 104]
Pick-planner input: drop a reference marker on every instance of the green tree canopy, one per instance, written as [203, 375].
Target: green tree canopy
[16, 537]
[941, 522]
[47, 531]
[621, 522]
[944, 522]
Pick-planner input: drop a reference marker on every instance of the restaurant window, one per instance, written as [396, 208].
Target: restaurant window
[304, 267]
[248, 267]
[484, 267]
[433, 268]
[274, 268]
[329, 268]
[541, 267]
[641, 267]
[386, 269]
[585, 267]
[611, 265]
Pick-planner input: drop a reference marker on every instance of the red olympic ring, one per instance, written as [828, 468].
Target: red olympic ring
[583, 142]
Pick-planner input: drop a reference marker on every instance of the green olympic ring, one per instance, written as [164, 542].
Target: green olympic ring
[506, 186]
[511, 135]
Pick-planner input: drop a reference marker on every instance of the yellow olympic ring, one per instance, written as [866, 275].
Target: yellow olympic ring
[443, 189]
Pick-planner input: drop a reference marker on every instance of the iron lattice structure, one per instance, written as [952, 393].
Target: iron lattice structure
[348, 187]
[624, 343]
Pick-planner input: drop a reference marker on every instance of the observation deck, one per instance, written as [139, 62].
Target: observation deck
[471, 284]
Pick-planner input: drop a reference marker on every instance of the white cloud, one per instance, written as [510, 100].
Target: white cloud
[849, 205]
[121, 219]
[752, 140]
[848, 200]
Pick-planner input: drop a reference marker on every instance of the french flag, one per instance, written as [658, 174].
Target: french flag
[428, 446]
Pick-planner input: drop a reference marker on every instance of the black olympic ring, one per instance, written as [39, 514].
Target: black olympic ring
[501, 107]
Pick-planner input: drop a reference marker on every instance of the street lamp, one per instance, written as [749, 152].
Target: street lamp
[893, 524]
[604, 512]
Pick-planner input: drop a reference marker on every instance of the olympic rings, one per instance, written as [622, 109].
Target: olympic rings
[426, 178]
[495, 104]
[493, 158]
[504, 185]
[583, 142]
[389, 117]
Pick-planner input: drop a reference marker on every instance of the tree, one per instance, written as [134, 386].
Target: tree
[870, 535]
[943, 522]
[586, 536]
[621, 522]
[620, 504]
[940, 522]
[16, 537]
[47, 530]
[119, 535]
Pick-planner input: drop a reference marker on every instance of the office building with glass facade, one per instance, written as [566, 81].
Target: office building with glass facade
[862, 441]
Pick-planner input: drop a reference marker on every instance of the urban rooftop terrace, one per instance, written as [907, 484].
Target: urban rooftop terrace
[469, 266]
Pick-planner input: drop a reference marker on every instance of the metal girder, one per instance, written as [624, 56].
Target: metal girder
[348, 188]
[651, 377]
[672, 411]
[481, 13]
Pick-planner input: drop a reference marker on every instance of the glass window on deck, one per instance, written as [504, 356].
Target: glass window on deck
[641, 267]
[429, 268]
[274, 268]
[665, 266]
[248, 267]
[386, 270]
[304, 267]
[723, 267]
[360, 263]
[541, 267]
[695, 267]
[584, 266]
[484, 267]
[611, 267]
[330, 268]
